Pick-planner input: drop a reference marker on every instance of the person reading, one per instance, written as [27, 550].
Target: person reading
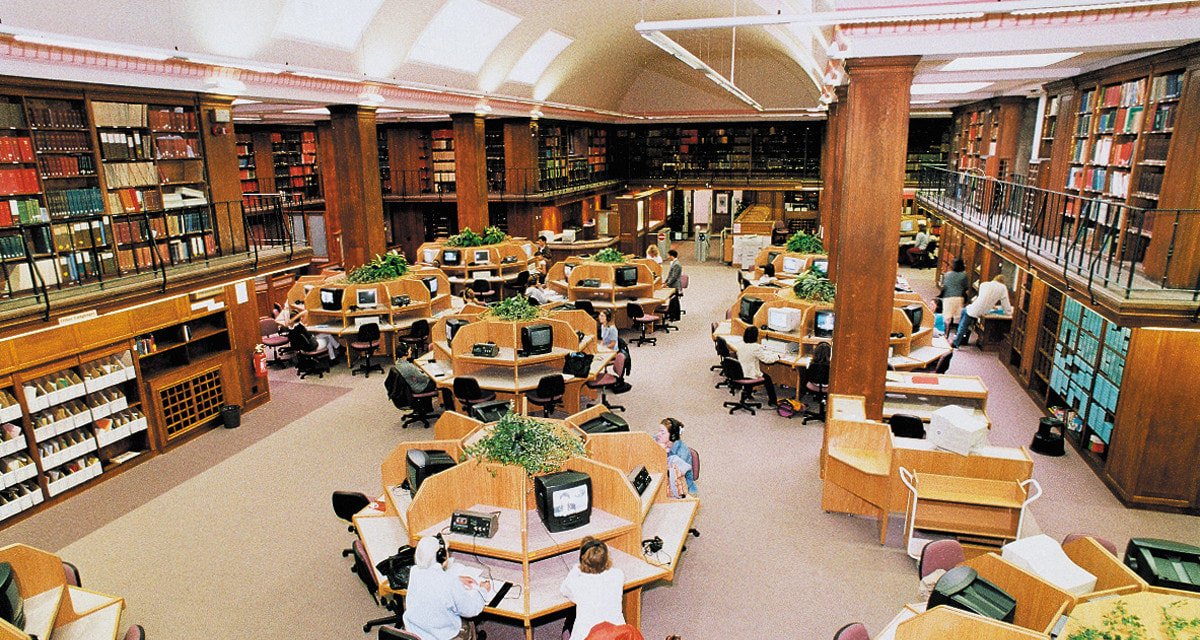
[596, 588]
[439, 598]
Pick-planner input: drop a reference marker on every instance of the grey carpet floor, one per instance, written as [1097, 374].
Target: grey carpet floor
[232, 536]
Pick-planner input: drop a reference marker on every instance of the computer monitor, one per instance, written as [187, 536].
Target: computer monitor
[792, 264]
[1164, 563]
[491, 411]
[915, 313]
[331, 299]
[423, 464]
[821, 266]
[452, 327]
[451, 257]
[607, 422]
[537, 339]
[823, 324]
[962, 588]
[567, 269]
[368, 298]
[749, 307]
[626, 276]
[564, 500]
[908, 226]
[430, 283]
[482, 275]
[482, 256]
[783, 319]
[771, 255]
[12, 606]
[430, 255]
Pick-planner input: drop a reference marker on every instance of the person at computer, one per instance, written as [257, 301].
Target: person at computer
[920, 243]
[954, 292]
[653, 253]
[990, 294]
[596, 587]
[439, 598]
[289, 320]
[608, 333]
[674, 272]
[679, 455]
[767, 279]
[412, 374]
[536, 290]
[750, 354]
[542, 249]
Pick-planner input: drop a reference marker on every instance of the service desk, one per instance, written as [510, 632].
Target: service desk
[560, 251]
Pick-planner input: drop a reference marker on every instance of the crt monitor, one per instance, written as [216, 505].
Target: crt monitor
[792, 264]
[915, 313]
[567, 269]
[823, 324]
[451, 257]
[908, 226]
[626, 276]
[482, 256]
[771, 255]
[12, 606]
[821, 267]
[749, 307]
[422, 464]
[564, 500]
[537, 339]
[607, 422]
[1164, 563]
[452, 327]
[430, 283]
[429, 255]
[491, 411]
[783, 319]
[962, 588]
[331, 299]
[368, 298]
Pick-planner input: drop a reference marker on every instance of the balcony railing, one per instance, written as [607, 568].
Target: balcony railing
[47, 263]
[1127, 250]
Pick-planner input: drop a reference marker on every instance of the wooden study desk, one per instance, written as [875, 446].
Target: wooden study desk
[946, 622]
[55, 610]
[497, 263]
[648, 292]
[921, 394]
[992, 327]
[1146, 605]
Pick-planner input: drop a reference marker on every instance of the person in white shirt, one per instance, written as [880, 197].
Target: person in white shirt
[596, 587]
[750, 354]
[653, 254]
[288, 320]
[535, 290]
[990, 294]
[920, 243]
[439, 598]
[768, 276]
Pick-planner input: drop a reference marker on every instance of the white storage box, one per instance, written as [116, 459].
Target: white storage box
[10, 414]
[1042, 556]
[956, 429]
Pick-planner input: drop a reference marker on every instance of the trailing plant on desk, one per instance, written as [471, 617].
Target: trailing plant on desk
[468, 238]
[493, 235]
[529, 443]
[609, 255]
[812, 285]
[1117, 624]
[801, 242]
[1178, 627]
[514, 308]
[388, 266]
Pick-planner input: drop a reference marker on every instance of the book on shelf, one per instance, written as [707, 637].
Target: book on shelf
[18, 182]
[1157, 148]
[63, 142]
[66, 166]
[1132, 122]
[130, 174]
[1123, 153]
[12, 115]
[16, 150]
[1150, 182]
[124, 145]
[1119, 184]
[23, 211]
[172, 119]
[56, 113]
[1164, 117]
[1166, 87]
[73, 202]
[134, 200]
[119, 114]
[176, 147]
[1101, 150]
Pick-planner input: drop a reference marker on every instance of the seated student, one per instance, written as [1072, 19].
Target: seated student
[608, 333]
[653, 254]
[438, 598]
[750, 354]
[679, 456]
[468, 296]
[412, 374]
[768, 277]
[288, 320]
[535, 290]
[596, 587]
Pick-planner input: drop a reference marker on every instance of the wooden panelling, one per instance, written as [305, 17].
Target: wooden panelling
[352, 191]
[224, 181]
[103, 330]
[327, 157]
[520, 157]
[1180, 190]
[470, 171]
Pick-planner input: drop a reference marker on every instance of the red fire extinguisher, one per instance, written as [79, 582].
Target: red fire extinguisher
[260, 365]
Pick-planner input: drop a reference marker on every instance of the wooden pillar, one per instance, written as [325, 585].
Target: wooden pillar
[264, 160]
[224, 183]
[832, 163]
[520, 156]
[870, 186]
[352, 191]
[470, 171]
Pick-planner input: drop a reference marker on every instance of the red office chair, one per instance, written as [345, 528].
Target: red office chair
[366, 573]
[1112, 548]
[643, 321]
[609, 379]
[483, 290]
[940, 554]
[732, 370]
[852, 631]
[136, 632]
[683, 284]
[268, 334]
[71, 572]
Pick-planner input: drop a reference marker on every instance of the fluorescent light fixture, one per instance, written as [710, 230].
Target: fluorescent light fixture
[536, 113]
[339, 25]
[388, 110]
[95, 47]
[247, 118]
[1019, 61]
[1093, 6]
[675, 49]
[482, 108]
[312, 111]
[941, 88]
[232, 64]
[462, 35]
[239, 101]
[538, 56]
[428, 116]
[924, 101]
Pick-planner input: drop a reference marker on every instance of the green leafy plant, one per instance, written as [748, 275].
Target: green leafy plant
[465, 238]
[813, 286]
[1178, 627]
[388, 266]
[532, 444]
[610, 255]
[514, 308]
[801, 242]
[493, 235]
[1117, 624]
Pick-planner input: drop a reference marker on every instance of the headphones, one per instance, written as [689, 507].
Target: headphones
[443, 552]
[590, 544]
[652, 545]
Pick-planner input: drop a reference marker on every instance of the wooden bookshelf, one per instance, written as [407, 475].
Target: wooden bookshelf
[385, 169]
[782, 150]
[295, 161]
[928, 144]
[247, 165]
[441, 153]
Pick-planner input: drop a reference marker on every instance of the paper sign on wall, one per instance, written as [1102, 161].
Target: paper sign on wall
[241, 293]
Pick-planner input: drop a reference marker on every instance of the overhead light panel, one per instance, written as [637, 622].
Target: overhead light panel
[312, 111]
[95, 47]
[225, 86]
[482, 108]
[1019, 61]
[1093, 6]
[462, 35]
[339, 25]
[370, 98]
[538, 56]
[247, 118]
[241, 101]
[942, 88]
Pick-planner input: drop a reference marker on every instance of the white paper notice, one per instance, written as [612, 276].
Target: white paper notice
[243, 294]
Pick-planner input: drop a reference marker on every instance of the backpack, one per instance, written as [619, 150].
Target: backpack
[788, 408]
[397, 567]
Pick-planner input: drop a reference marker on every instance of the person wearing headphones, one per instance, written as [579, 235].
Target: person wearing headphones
[679, 456]
[608, 333]
[596, 587]
[438, 598]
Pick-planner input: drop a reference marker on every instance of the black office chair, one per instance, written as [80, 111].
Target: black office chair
[402, 396]
[742, 281]
[345, 505]
[366, 573]
[732, 370]
[674, 314]
[310, 357]
[394, 633]
[907, 426]
[926, 258]
[483, 290]
[549, 393]
[816, 380]
[641, 320]
[585, 305]
[365, 344]
[468, 393]
[416, 338]
[943, 363]
[519, 283]
[723, 352]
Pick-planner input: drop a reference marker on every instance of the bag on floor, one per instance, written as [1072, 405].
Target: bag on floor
[396, 568]
[788, 408]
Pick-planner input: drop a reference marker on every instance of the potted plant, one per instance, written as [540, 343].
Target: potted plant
[534, 445]
[802, 242]
[609, 255]
[813, 286]
[514, 308]
[388, 266]
[468, 238]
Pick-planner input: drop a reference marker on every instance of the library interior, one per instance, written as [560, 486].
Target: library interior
[383, 319]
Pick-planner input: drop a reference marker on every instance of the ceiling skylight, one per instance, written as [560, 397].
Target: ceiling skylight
[940, 88]
[538, 56]
[1019, 61]
[333, 24]
[462, 34]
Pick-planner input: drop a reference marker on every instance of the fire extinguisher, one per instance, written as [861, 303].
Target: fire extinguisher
[260, 365]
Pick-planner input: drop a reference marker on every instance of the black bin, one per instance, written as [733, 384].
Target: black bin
[231, 416]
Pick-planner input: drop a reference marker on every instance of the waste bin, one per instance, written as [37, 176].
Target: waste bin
[231, 416]
[1048, 441]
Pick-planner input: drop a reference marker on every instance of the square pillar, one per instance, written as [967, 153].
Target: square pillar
[352, 189]
[470, 171]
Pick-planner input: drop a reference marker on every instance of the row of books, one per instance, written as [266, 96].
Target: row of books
[1164, 117]
[74, 202]
[63, 141]
[16, 150]
[80, 235]
[128, 230]
[119, 114]
[1122, 154]
[12, 247]
[1150, 182]
[12, 115]
[122, 145]
[1156, 148]
[57, 113]
[134, 200]
[176, 147]
[18, 181]
[80, 264]
[1118, 184]
[23, 211]
[1086, 178]
[1126, 94]
[130, 174]
[195, 247]
[188, 222]
[1083, 125]
[1166, 87]
[183, 197]
[172, 120]
[67, 166]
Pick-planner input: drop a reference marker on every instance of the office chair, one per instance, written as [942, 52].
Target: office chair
[674, 314]
[852, 631]
[925, 258]
[549, 393]
[366, 573]
[268, 334]
[723, 351]
[742, 281]
[732, 370]
[468, 393]
[940, 554]
[695, 476]
[365, 343]
[71, 572]
[683, 284]
[519, 283]
[1112, 548]
[585, 305]
[816, 377]
[483, 290]
[310, 357]
[607, 380]
[643, 321]
[402, 397]
[396, 633]
[907, 426]
[345, 505]
[943, 363]
[136, 632]
[416, 338]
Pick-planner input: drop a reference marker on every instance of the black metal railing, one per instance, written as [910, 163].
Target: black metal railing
[43, 262]
[1126, 249]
